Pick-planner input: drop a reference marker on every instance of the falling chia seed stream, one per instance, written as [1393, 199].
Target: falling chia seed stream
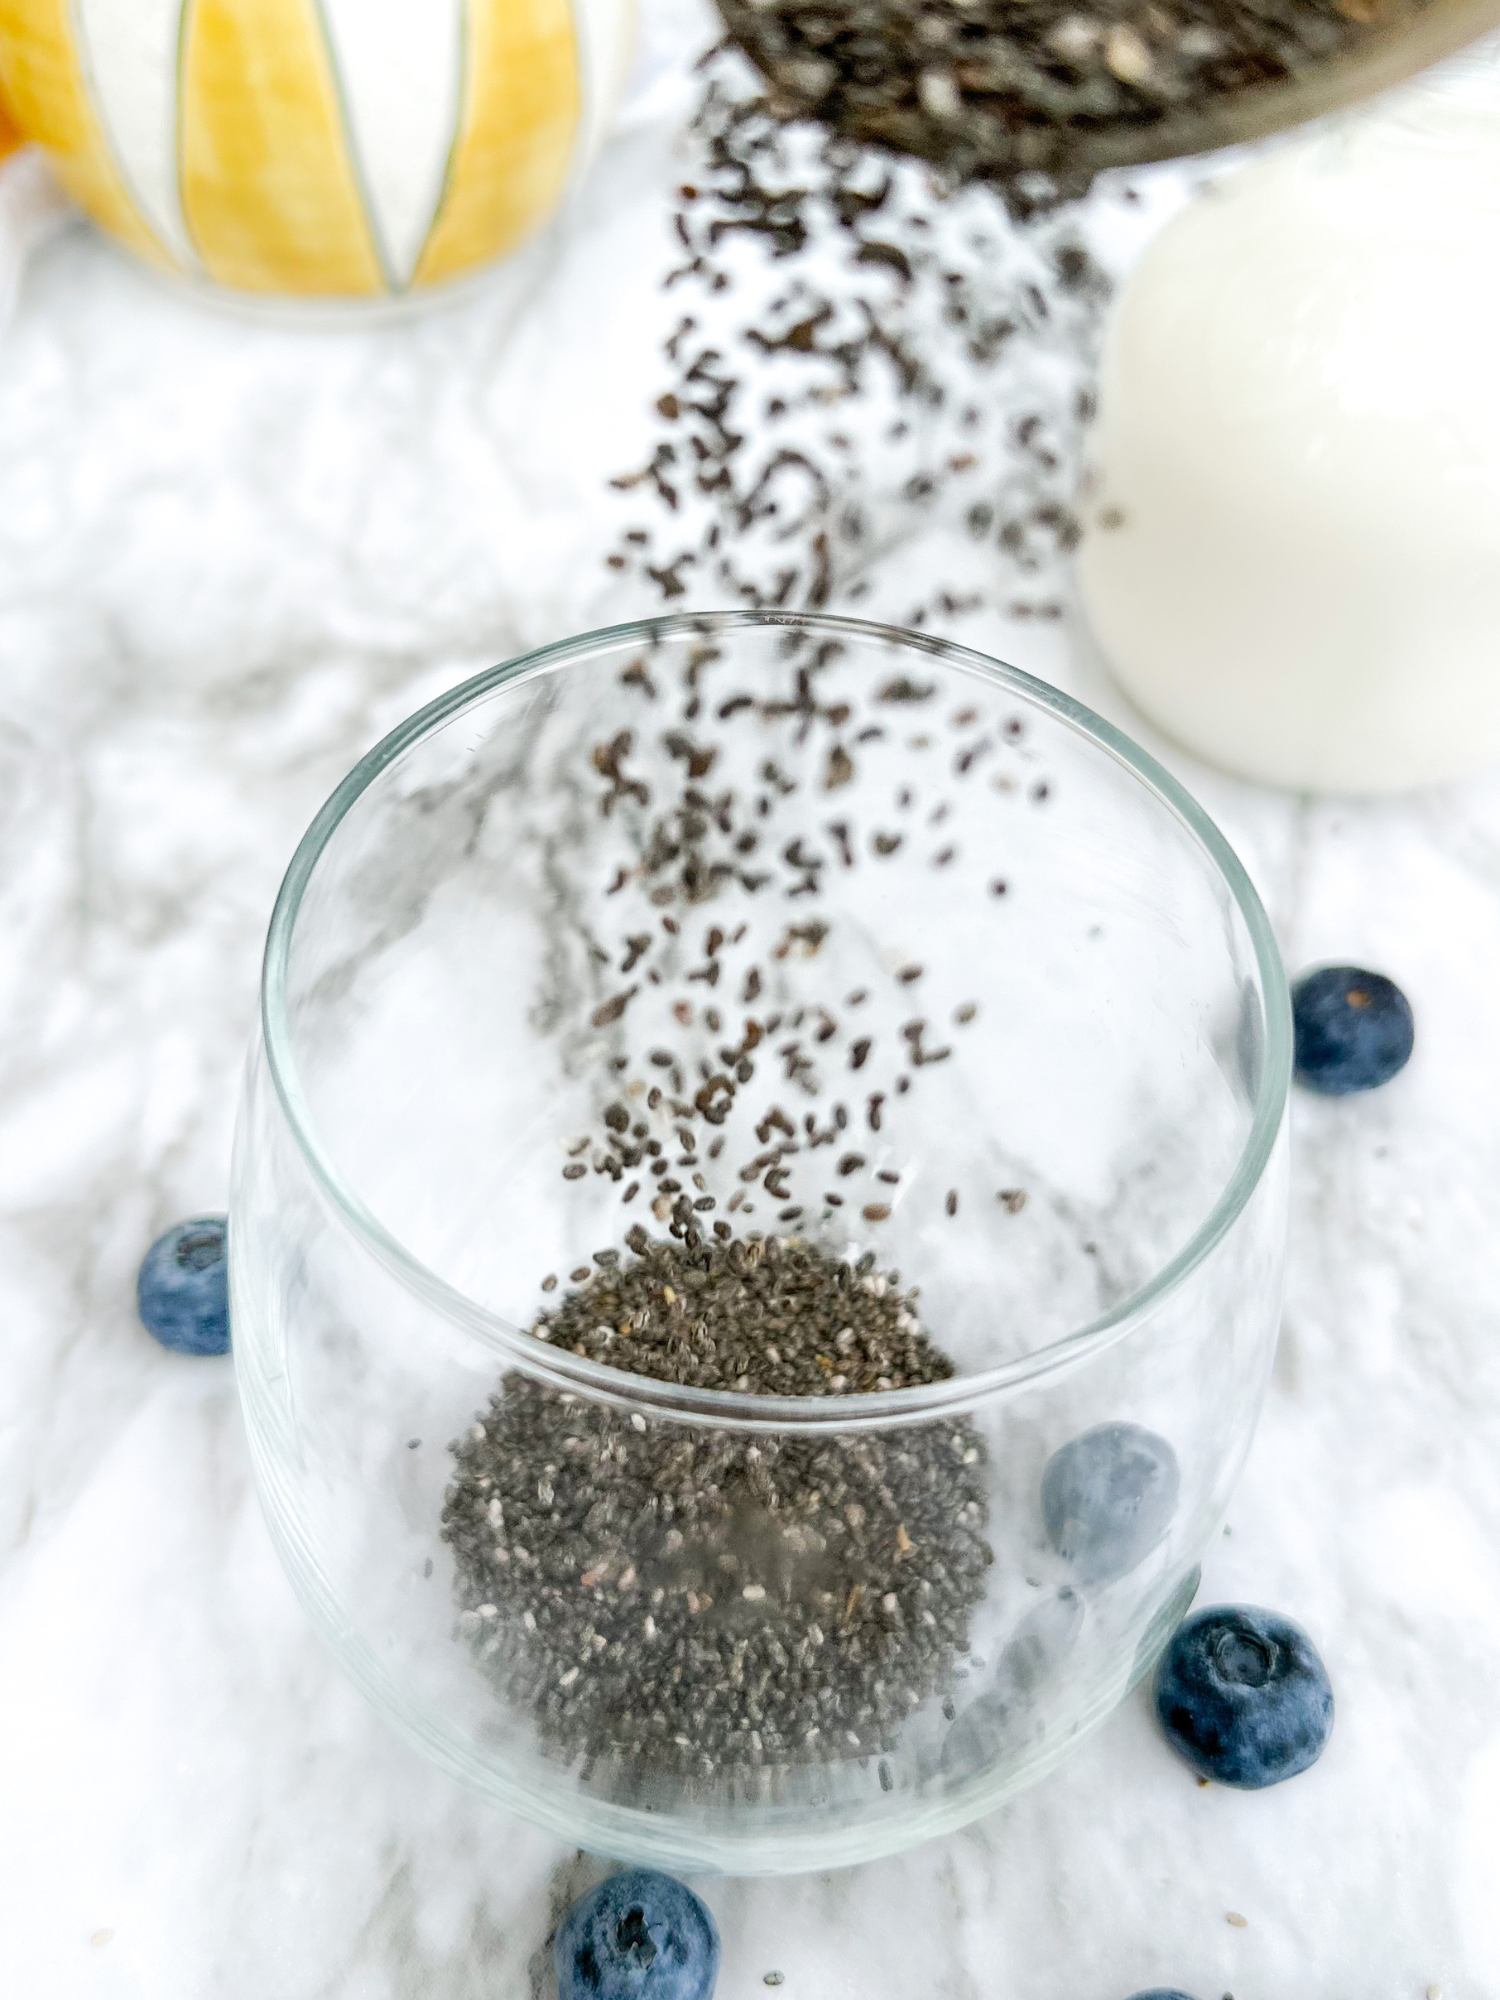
[820, 281]
[675, 1602]
[667, 1600]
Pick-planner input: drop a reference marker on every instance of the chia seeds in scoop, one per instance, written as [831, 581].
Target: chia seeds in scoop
[671, 1600]
[996, 90]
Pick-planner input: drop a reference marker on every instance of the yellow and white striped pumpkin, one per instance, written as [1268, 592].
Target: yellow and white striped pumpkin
[316, 148]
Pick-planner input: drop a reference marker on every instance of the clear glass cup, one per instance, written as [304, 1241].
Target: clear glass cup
[1020, 1043]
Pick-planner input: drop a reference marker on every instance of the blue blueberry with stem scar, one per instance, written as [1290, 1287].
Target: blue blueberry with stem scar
[639, 1936]
[182, 1287]
[1353, 1030]
[1108, 1498]
[1243, 1696]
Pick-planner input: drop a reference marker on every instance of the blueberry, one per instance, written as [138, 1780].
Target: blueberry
[638, 1936]
[1003, 1717]
[1107, 1499]
[1244, 1697]
[1353, 1029]
[182, 1287]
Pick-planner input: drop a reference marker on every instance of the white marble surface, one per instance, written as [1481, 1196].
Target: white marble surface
[230, 556]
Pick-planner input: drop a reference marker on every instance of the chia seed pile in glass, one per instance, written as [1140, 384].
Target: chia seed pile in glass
[665, 1599]
[993, 89]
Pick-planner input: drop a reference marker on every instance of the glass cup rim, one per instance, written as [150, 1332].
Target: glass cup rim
[727, 1408]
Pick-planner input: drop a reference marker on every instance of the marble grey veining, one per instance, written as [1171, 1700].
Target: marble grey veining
[231, 555]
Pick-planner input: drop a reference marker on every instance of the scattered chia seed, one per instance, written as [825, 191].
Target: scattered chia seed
[665, 1600]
